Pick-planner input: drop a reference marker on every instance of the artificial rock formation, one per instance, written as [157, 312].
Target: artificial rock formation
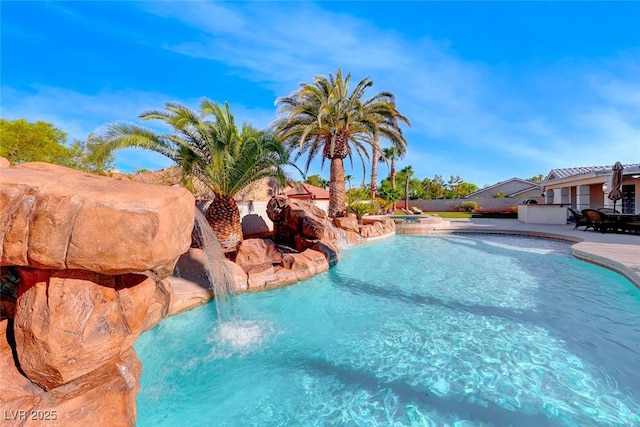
[70, 322]
[90, 253]
[376, 228]
[53, 217]
[302, 225]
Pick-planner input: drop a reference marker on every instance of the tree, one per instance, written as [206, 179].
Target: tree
[24, 141]
[317, 180]
[466, 188]
[84, 155]
[390, 128]
[389, 194]
[537, 178]
[348, 179]
[209, 148]
[325, 118]
[457, 188]
[390, 155]
[407, 173]
[434, 188]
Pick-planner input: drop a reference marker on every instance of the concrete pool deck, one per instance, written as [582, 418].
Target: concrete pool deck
[618, 252]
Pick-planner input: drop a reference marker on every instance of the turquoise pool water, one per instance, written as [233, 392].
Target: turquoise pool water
[414, 330]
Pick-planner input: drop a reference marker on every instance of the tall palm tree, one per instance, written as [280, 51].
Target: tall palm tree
[390, 156]
[325, 118]
[408, 173]
[348, 179]
[388, 128]
[211, 150]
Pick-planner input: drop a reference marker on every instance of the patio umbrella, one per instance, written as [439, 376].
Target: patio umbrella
[616, 184]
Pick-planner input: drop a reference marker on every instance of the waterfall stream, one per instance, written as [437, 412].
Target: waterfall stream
[218, 273]
[232, 334]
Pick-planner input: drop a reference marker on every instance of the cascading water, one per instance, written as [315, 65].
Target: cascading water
[217, 272]
[231, 334]
[341, 238]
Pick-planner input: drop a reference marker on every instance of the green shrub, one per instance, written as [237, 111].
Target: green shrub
[470, 206]
[360, 209]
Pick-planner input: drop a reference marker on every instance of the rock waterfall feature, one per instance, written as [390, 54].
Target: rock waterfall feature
[90, 253]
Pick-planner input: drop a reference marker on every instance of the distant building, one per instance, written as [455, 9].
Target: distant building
[319, 196]
[514, 187]
[587, 187]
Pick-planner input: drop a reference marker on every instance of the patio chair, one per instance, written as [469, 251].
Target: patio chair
[608, 210]
[580, 219]
[599, 221]
[633, 227]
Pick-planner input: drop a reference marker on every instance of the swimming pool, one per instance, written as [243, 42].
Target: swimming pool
[450, 330]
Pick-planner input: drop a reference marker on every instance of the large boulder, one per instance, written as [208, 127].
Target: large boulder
[70, 322]
[302, 225]
[90, 253]
[373, 229]
[53, 217]
[105, 396]
[254, 253]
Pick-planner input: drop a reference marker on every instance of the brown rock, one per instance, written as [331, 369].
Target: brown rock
[306, 264]
[158, 307]
[302, 243]
[106, 396]
[185, 294]
[238, 277]
[259, 276]
[349, 223]
[275, 207]
[312, 228]
[281, 277]
[294, 219]
[254, 253]
[329, 250]
[53, 217]
[4, 163]
[255, 227]
[191, 266]
[293, 216]
[70, 322]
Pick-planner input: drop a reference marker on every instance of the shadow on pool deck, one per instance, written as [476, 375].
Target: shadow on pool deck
[618, 252]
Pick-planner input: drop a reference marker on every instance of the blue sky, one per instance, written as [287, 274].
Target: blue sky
[493, 89]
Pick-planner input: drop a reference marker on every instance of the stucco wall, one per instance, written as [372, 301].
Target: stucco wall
[486, 203]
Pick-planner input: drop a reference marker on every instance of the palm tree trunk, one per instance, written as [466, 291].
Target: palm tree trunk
[393, 173]
[223, 216]
[374, 172]
[337, 192]
[406, 193]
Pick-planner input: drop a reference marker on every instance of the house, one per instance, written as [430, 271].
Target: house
[514, 187]
[588, 187]
[319, 196]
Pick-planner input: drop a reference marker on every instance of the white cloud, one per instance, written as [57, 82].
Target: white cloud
[468, 117]
[80, 114]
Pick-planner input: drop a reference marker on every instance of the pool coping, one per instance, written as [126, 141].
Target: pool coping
[617, 252]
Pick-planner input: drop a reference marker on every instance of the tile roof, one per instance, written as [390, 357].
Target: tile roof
[307, 191]
[527, 185]
[560, 173]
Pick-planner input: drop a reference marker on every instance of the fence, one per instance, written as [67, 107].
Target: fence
[488, 204]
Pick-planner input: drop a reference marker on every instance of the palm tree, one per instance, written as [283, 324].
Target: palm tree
[325, 118]
[211, 150]
[390, 156]
[408, 173]
[348, 179]
[399, 145]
